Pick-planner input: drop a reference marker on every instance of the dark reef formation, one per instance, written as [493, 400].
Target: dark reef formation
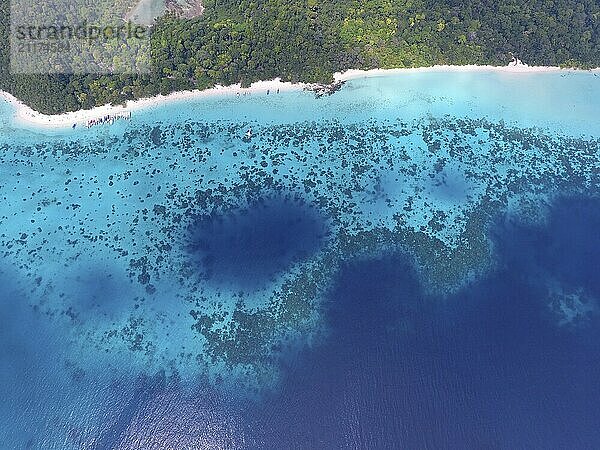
[244, 237]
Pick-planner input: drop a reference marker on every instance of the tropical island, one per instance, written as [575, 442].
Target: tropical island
[224, 42]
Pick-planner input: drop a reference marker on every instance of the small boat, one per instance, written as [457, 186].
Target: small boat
[248, 135]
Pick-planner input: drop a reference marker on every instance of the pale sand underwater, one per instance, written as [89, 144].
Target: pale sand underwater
[27, 116]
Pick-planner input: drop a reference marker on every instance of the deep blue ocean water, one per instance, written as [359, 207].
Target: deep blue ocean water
[282, 230]
[410, 263]
[485, 368]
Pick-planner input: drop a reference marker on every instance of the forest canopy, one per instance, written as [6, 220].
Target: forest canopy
[243, 41]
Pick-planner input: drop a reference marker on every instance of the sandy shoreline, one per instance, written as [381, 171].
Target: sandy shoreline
[27, 116]
[509, 69]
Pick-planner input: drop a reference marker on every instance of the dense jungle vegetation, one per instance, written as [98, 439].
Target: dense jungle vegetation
[308, 40]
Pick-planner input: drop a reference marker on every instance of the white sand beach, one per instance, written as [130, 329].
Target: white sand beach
[27, 116]
[513, 68]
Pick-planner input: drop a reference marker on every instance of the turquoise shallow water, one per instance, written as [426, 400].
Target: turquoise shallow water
[170, 251]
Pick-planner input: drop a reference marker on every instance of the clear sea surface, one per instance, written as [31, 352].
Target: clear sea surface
[411, 262]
